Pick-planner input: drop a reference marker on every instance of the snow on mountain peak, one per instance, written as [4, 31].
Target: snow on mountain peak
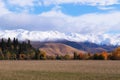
[55, 35]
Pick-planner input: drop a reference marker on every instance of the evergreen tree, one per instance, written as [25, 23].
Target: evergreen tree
[29, 44]
[3, 45]
[17, 50]
[75, 55]
[37, 54]
[9, 43]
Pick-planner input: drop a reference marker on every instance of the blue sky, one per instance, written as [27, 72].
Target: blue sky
[66, 8]
[82, 16]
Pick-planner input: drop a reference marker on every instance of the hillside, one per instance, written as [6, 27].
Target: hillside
[88, 46]
[58, 49]
[85, 46]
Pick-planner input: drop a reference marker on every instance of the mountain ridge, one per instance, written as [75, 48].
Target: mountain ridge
[53, 49]
[85, 46]
[55, 36]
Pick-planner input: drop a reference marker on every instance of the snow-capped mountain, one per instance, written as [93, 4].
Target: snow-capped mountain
[55, 35]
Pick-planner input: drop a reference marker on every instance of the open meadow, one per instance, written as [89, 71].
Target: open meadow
[60, 70]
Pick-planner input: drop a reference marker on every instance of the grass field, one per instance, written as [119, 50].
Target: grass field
[59, 70]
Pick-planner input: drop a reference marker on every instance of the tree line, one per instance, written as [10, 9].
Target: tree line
[113, 55]
[16, 50]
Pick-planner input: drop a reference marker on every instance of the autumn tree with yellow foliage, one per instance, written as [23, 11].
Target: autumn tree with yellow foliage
[116, 54]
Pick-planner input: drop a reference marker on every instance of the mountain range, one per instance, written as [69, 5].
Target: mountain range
[101, 39]
[84, 46]
[93, 43]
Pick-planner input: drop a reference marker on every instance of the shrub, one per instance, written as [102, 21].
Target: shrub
[67, 57]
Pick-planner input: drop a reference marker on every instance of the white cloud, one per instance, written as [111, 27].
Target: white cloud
[106, 8]
[29, 5]
[32, 3]
[56, 20]
[21, 3]
[23, 6]
[85, 2]
[88, 23]
[3, 9]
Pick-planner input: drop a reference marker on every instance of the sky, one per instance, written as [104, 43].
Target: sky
[67, 16]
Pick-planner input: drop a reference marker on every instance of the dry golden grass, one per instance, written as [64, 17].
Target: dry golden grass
[59, 49]
[59, 70]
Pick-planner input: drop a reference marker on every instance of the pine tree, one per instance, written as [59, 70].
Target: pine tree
[29, 44]
[3, 45]
[75, 55]
[9, 43]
